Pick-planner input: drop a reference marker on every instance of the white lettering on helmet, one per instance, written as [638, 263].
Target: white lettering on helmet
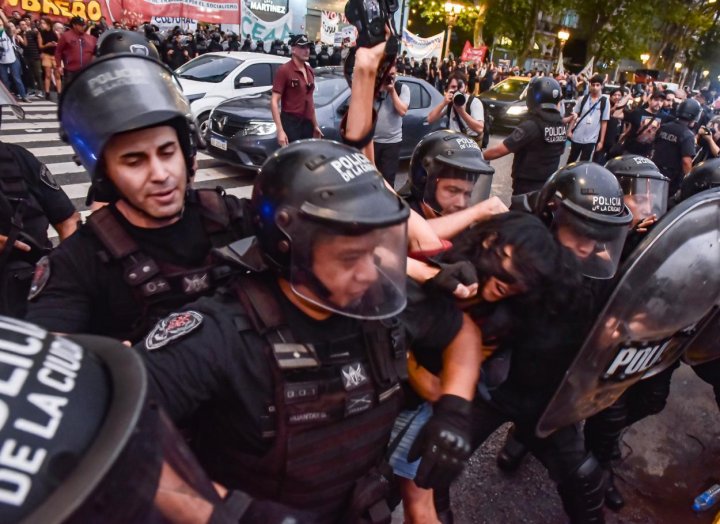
[604, 204]
[352, 166]
[641, 160]
[466, 143]
[109, 80]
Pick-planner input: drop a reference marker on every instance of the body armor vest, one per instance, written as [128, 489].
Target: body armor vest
[331, 417]
[161, 286]
[541, 158]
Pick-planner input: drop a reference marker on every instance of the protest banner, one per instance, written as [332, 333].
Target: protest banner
[419, 47]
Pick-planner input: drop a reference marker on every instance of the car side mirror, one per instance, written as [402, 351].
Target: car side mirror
[244, 81]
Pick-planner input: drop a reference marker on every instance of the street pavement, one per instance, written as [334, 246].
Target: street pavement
[667, 460]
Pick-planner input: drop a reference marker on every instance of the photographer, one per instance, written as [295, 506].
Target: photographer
[708, 138]
[394, 102]
[465, 113]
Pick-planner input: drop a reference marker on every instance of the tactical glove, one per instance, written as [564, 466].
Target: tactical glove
[451, 276]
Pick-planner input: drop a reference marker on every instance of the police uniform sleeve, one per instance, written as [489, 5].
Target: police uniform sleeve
[687, 146]
[53, 200]
[198, 356]
[522, 135]
[432, 321]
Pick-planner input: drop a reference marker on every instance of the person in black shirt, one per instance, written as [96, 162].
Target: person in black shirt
[674, 146]
[539, 141]
[641, 126]
[619, 97]
[148, 251]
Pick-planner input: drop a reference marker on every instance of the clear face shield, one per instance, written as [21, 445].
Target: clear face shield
[456, 189]
[597, 245]
[645, 196]
[358, 273]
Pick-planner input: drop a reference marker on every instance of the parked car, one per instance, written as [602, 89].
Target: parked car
[505, 101]
[242, 131]
[215, 77]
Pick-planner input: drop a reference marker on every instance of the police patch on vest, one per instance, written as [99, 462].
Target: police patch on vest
[48, 179]
[354, 376]
[40, 277]
[195, 283]
[171, 328]
[358, 403]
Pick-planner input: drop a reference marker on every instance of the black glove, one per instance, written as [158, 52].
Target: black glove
[443, 443]
[452, 275]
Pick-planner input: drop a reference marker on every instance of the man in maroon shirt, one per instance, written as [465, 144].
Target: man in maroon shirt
[293, 89]
[75, 48]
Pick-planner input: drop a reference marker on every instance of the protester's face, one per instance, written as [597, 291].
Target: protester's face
[596, 88]
[615, 97]
[669, 100]
[452, 194]
[580, 245]
[655, 104]
[43, 25]
[148, 168]
[345, 265]
[495, 288]
[23, 25]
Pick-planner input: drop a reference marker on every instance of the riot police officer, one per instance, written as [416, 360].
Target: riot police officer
[291, 374]
[674, 146]
[539, 141]
[30, 200]
[83, 442]
[147, 252]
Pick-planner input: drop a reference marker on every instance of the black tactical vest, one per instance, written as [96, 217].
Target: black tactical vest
[330, 420]
[540, 159]
[160, 287]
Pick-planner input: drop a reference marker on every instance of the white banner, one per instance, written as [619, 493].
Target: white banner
[561, 66]
[328, 27]
[166, 23]
[588, 69]
[262, 30]
[419, 47]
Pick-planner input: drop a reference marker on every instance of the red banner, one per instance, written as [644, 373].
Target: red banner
[473, 54]
[131, 12]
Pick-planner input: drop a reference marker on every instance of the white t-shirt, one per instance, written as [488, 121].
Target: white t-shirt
[8, 56]
[587, 131]
[476, 111]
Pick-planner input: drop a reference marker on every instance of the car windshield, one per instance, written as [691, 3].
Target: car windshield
[327, 88]
[510, 87]
[208, 68]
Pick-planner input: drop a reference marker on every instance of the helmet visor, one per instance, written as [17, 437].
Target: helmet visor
[356, 273]
[645, 196]
[453, 189]
[597, 245]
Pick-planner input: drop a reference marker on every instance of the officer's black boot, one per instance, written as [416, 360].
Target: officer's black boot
[441, 498]
[582, 493]
[602, 439]
[512, 453]
[614, 500]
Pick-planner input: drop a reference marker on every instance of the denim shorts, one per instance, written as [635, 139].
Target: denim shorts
[398, 460]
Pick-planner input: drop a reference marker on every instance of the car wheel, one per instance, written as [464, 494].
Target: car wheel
[203, 122]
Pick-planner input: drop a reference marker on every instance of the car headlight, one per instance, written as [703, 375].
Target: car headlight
[260, 128]
[192, 98]
[517, 110]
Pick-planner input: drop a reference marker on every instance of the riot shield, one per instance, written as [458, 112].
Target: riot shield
[704, 345]
[8, 100]
[663, 291]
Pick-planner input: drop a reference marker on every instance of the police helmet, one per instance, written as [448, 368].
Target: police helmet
[543, 92]
[583, 204]
[122, 41]
[316, 192]
[644, 187]
[689, 110]
[704, 176]
[447, 155]
[116, 94]
[86, 443]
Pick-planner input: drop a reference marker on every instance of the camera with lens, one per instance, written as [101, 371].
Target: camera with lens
[705, 130]
[459, 99]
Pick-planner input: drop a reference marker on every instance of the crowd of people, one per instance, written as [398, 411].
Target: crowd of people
[327, 339]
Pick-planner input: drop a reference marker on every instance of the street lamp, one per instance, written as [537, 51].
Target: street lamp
[644, 57]
[451, 15]
[705, 73]
[678, 66]
[563, 36]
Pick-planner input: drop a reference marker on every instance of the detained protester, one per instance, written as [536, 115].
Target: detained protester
[292, 104]
[289, 378]
[148, 252]
[539, 141]
[516, 259]
[30, 201]
[464, 112]
[83, 442]
[674, 147]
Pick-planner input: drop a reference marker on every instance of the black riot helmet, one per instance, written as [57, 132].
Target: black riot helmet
[689, 110]
[121, 41]
[445, 155]
[704, 176]
[543, 92]
[116, 94]
[644, 187]
[317, 204]
[583, 204]
[87, 444]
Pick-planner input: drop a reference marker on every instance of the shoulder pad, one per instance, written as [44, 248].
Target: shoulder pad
[172, 328]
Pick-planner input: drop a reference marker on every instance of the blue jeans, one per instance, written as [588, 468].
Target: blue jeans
[6, 70]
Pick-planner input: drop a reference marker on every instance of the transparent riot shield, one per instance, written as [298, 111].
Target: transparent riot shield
[663, 291]
[704, 345]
